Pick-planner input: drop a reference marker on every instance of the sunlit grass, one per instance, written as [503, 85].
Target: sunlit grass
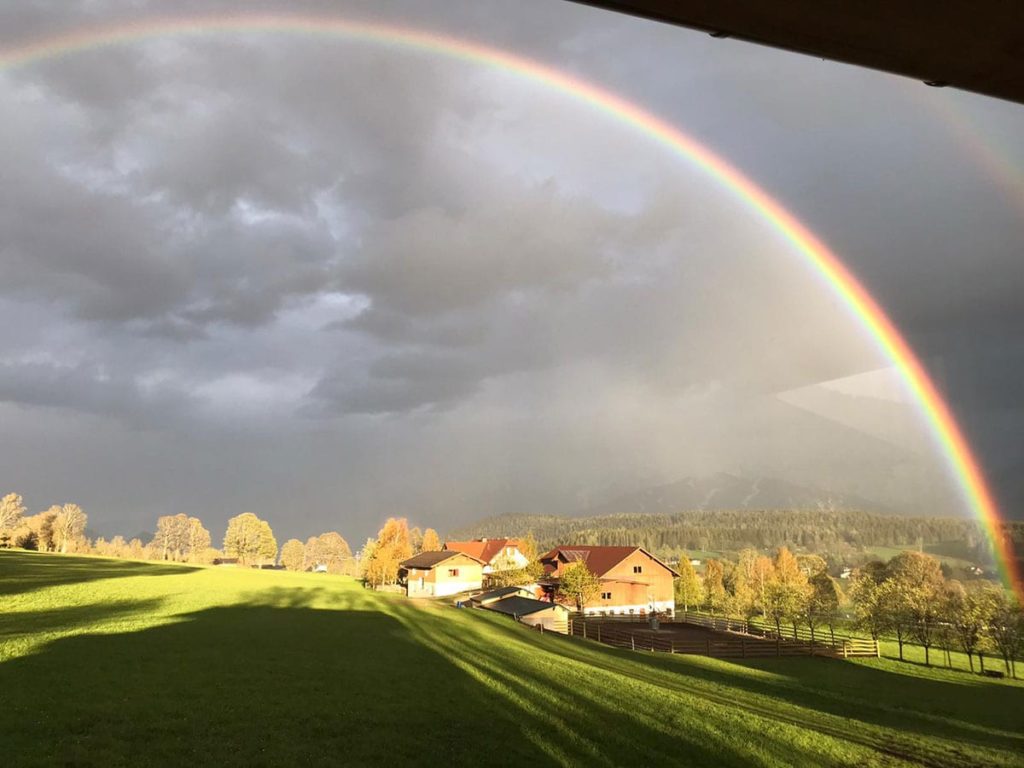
[104, 662]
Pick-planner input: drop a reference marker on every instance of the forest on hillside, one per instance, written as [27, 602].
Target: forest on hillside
[844, 536]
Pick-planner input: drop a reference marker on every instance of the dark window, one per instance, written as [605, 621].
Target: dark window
[638, 569]
[606, 595]
[453, 571]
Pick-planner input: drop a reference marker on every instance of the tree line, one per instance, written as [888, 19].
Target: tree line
[841, 535]
[907, 598]
[178, 538]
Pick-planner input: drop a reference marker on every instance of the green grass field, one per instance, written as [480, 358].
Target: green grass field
[106, 662]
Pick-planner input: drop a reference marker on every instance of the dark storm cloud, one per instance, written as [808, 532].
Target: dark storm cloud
[302, 265]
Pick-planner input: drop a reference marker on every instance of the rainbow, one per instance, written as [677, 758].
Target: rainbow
[815, 253]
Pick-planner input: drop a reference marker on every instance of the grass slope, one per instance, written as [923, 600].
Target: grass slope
[106, 662]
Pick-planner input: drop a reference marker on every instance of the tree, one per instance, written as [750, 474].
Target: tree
[714, 586]
[431, 541]
[689, 590]
[1005, 628]
[578, 584]
[172, 536]
[391, 548]
[329, 550]
[894, 613]
[12, 509]
[365, 559]
[268, 544]
[761, 574]
[968, 608]
[822, 602]
[869, 612]
[921, 589]
[199, 541]
[293, 555]
[68, 526]
[741, 584]
[788, 591]
[249, 539]
[416, 540]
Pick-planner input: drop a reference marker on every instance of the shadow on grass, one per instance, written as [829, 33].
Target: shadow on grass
[26, 623]
[914, 718]
[22, 572]
[364, 682]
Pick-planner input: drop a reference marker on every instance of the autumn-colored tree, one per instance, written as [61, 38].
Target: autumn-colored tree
[869, 612]
[740, 583]
[250, 539]
[391, 548]
[689, 591]
[787, 593]
[761, 574]
[714, 586]
[431, 541]
[920, 586]
[331, 551]
[578, 584]
[293, 555]
[68, 526]
[12, 509]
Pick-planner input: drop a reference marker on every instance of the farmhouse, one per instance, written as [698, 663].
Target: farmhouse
[633, 581]
[497, 554]
[436, 574]
[551, 616]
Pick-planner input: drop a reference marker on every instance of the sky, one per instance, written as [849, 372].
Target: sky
[330, 281]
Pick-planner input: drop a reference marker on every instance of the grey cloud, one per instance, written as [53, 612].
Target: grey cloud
[304, 264]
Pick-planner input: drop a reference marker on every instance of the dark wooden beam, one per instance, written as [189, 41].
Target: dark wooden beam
[976, 45]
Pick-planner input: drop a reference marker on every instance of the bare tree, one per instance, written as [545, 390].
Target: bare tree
[12, 509]
[68, 526]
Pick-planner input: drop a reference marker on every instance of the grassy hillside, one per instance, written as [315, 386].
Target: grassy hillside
[107, 662]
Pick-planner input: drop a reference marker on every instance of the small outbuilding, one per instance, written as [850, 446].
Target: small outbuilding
[526, 610]
[486, 598]
[438, 574]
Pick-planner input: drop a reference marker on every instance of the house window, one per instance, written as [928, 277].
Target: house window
[638, 569]
[606, 595]
[453, 572]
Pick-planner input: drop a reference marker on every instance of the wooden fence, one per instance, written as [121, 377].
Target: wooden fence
[751, 641]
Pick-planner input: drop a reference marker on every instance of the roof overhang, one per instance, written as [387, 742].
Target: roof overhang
[976, 46]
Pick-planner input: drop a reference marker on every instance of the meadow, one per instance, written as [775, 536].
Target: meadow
[112, 662]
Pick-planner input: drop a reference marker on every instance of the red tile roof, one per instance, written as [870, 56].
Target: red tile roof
[482, 549]
[599, 560]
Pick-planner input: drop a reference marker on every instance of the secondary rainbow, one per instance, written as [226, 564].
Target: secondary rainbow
[814, 252]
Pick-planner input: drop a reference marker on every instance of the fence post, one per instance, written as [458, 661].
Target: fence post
[632, 641]
[599, 633]
[584, 630]
[672, 646]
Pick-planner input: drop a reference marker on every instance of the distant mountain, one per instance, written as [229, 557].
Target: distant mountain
[728, 491]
